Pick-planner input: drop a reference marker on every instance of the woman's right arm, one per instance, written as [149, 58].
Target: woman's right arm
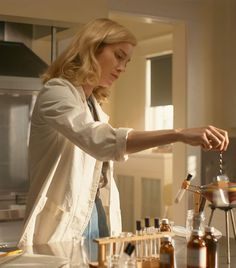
[209, 138]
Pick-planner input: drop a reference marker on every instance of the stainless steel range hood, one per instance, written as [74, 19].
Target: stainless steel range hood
[20, 67]
[17, 58]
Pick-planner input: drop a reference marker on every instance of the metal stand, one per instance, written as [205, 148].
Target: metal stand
[227, 210]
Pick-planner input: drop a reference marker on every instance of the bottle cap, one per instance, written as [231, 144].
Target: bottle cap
[165, 221]
[147, 222]
[138, 226]
[197, 232]
[209, 229]
[166, 238]
[129, 249]
[157, 223]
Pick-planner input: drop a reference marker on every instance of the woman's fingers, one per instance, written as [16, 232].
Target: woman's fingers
[217, 138]
[209, 138]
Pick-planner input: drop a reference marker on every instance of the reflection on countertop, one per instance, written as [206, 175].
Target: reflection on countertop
[61, 254]
[64, 254]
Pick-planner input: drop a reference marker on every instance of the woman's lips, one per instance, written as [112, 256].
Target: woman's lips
[115, 76]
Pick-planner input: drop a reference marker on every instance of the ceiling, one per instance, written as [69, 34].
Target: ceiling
[143, 28]
[53, 12]
[67, 14]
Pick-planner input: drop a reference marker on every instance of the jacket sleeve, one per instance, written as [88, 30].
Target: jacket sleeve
[65, 111]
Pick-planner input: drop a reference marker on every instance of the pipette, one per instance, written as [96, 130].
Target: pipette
[183, 188]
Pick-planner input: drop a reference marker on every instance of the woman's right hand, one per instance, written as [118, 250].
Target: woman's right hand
[209, 138]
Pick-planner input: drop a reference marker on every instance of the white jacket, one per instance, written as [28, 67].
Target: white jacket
[66, 151]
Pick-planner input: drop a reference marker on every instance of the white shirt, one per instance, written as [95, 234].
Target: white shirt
[66, 151]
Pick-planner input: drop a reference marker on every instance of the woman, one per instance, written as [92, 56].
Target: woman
[72, 146]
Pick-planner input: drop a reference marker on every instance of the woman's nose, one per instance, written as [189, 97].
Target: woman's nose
[121, 67]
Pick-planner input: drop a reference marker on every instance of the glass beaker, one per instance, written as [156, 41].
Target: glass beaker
[189, 223]
[194, 221]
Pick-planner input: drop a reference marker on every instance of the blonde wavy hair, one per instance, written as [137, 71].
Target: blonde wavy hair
[78, 62]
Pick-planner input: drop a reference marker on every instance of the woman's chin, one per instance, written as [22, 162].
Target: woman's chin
[107, 85]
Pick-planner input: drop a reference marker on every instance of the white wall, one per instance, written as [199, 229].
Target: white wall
[210, 69]
[224, 40]
[210, 53]
[129, 94]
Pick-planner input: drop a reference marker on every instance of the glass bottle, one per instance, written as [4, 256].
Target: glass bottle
[165, 226]
[166, 253]
[126, 260]
[211, 246]
[196, 250]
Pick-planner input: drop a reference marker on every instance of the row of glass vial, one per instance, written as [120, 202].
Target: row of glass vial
[201, 253]
[146, 250]
[128, 259]
[150, 248]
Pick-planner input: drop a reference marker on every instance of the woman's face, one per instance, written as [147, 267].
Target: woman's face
[113, 60]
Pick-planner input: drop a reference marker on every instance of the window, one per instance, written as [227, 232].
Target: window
[159, 107]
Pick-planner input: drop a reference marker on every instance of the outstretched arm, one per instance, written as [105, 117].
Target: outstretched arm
[209, 138]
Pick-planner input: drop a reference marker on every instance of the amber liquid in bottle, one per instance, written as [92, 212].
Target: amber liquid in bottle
[196, 250]
[165, 226]
[212, 247]
[166, 253]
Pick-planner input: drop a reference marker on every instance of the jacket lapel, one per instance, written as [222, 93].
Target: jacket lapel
[102, 116]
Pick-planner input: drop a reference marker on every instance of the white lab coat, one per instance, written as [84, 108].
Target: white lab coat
[66, 151]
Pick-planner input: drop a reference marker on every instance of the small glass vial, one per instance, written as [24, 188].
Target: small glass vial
[148, 230]
[139, 244]
[165, 226]
[126, 260]
[156, 242]
[212, 247]
[147, 227]
[166, 253]
[196, 250]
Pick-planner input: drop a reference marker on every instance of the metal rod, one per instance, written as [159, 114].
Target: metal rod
[53, 43]
[211, 216]
[202, 204]
[227, 235]
[233, 222]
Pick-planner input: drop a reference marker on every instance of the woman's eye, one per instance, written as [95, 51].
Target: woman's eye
[118, 56]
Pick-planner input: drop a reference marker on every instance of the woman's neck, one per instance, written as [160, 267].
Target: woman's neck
[88, 90]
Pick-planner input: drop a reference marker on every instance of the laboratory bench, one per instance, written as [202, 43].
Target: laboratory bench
[63, 254]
